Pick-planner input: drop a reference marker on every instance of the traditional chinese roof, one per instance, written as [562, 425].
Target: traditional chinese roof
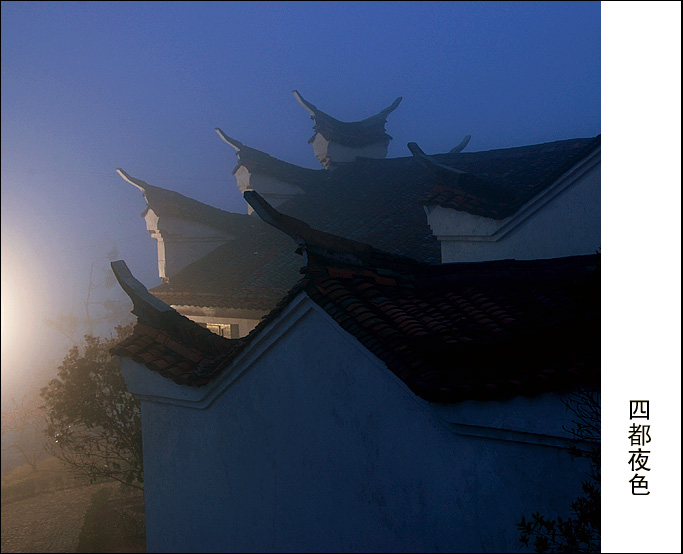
[167, 342]
[376, 202]
[258, 162]
[497, 183]
[380, 201]
[488, 330]
[164, 202]
[251, 272]
[354, 134]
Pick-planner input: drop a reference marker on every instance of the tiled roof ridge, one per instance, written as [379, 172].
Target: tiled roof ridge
[316, 245]
[151, 310]
[451, 176]
[161, 337]
[492, 345]
[473, 194]
[456, 273]
[171, 203]
[503, 346]
[443, 157]
[376, 119]
[170, 342]
[145, 306]
[592, 143]
[257, 161]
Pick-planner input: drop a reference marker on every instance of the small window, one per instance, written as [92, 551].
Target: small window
[227, 330]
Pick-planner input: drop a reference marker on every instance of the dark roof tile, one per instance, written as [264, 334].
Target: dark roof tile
[508, 178]
[377, 202]
[232, 276]
[546, 351]
[173, 204]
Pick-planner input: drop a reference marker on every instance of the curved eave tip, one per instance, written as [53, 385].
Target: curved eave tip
[382, 116]
[310, 108]
[428, 161]
[256, 201]
[264, 210]
[132, 180]
[236, 144]
[135, 289]
[463, 143]
[415, 150]
[394, 105]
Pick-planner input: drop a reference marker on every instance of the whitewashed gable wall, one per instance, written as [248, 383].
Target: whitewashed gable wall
[311, 444]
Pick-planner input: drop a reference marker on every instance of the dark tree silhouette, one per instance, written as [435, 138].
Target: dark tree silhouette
[93, 422]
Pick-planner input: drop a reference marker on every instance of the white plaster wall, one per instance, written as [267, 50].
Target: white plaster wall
[568, 225]
[181, 242]
[327, 151]
[275, 191]
[319, 448]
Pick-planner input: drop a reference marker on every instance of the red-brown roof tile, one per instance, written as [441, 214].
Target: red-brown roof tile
[446, 349]
[427, 329]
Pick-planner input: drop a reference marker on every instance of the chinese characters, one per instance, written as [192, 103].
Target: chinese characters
[639, 435]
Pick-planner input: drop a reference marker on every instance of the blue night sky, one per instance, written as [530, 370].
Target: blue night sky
[91, 86]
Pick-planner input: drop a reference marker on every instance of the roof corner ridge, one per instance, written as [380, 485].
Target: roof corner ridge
[146, 306]
[314, 243]
[431, 164]
[137, 183]
[236, 144]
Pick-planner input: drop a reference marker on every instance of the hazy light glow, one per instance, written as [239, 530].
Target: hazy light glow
[23, 343]
[13, 313]
[8, 309]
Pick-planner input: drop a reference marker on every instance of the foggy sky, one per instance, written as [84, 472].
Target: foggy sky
[89, 87]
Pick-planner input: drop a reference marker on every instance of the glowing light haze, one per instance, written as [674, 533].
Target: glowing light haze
[91, 86]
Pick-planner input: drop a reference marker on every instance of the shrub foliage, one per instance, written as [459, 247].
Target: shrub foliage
[93, 421]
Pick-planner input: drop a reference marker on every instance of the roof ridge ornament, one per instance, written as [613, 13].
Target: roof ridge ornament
[242, 149]
[430, 163]
[146, 306]
[379, 117]
[139, 183]
[338, 142]
[236, 144]
[463, 143]
[310, 108]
